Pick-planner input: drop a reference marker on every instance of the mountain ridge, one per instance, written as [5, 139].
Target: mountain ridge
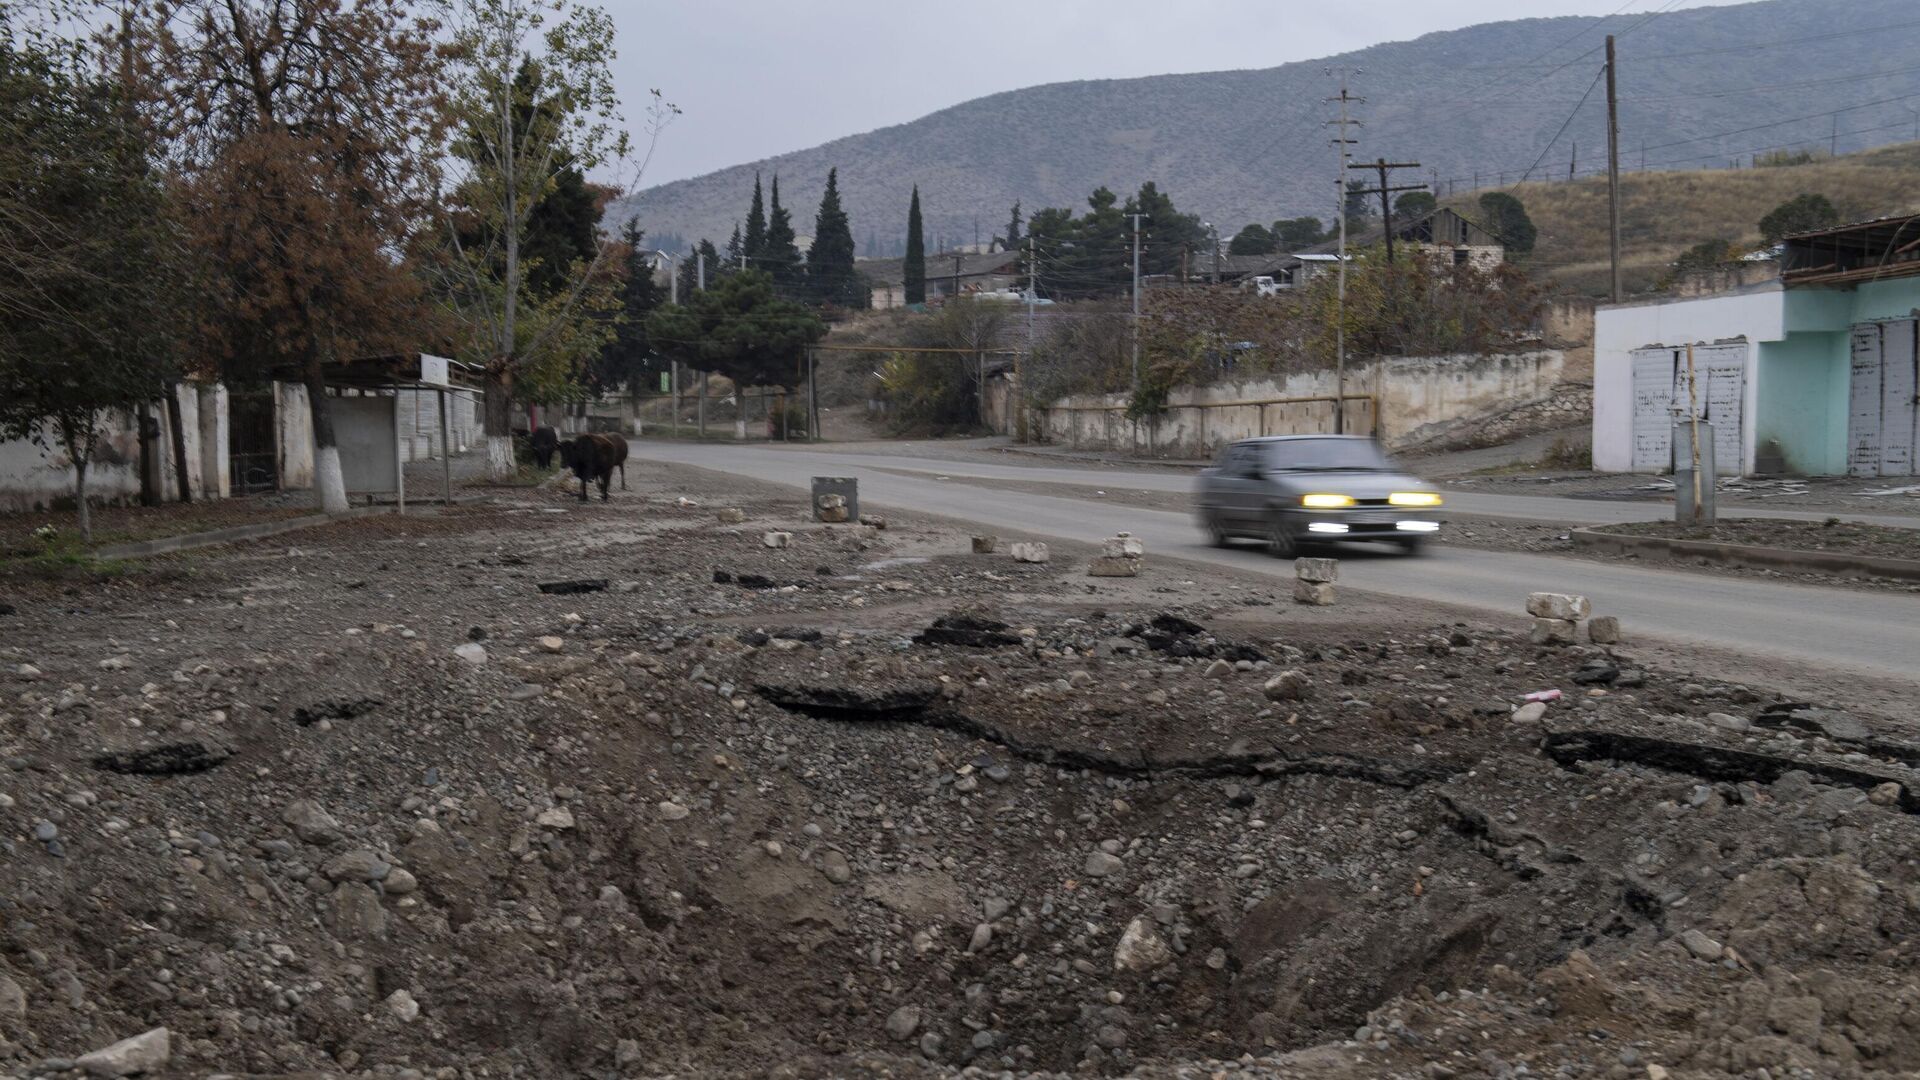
[1249, 144]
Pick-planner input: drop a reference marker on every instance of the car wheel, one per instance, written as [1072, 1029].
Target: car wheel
[1216, 533]
[1412, 546]
[1280, 542]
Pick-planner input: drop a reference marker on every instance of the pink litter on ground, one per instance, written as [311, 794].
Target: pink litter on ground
[1544, 695]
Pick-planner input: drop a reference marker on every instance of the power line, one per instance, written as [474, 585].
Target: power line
[1777, 123]
[1563, 128]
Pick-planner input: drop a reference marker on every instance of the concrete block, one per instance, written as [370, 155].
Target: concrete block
[1320, 570]
[847, 488]
[776, 539]
[1553, 631]
[1114, 566]
[984, 545]
[1603, 630]
[731, 515]
[1033, 553]
[1122, 546]
[1317, 593]
[831, 508]
[1559, 606]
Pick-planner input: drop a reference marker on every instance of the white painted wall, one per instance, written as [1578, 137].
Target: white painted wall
[1420, 397]
[33, 477]
[1757, 313]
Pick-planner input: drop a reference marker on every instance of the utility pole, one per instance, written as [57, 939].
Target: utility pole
[1340, 208]
[1136, 302]
[955, 295]
[1382, 166]
[1613, 170]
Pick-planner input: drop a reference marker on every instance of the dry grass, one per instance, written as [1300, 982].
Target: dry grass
[1664, 213]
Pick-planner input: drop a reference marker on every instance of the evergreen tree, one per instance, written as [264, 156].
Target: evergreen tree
[1802, 213]
[739, 328]
[1508, 220]
[1164, 232]
[782, 255]
[1292, 234]
[735, 248]
[754, 243]
[690, 269]
[1011, 241]
[1252, 240]
[627, 360]
[915, 271]
[1414, 204]
[831, 276]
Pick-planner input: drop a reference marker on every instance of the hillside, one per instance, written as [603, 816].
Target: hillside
[1663, 214]
[1240, 146]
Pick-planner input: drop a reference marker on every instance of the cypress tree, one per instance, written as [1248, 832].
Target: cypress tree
[754, 243]
[782, 256]
[734, 250]
[830, 257]
[1011, 241]
[916, 268]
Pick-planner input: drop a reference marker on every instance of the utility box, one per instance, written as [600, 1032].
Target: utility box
[1684, 477]
[846, 487]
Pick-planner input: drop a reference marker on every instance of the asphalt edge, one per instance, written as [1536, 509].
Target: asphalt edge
[1752, 556]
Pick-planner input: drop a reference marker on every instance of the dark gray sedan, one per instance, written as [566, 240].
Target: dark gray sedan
[1287, 490]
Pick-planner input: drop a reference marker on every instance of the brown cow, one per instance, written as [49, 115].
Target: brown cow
[592, 458]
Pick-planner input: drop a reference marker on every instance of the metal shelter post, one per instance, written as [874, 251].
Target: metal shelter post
[446, 454]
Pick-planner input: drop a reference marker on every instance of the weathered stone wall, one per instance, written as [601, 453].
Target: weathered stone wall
[1421, 400]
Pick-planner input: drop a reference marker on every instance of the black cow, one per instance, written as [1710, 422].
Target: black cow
[544, 442]
[593, 458]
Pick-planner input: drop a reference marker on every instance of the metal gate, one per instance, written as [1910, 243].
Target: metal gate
[1660, 401]
[253, 448]
[1881, 398]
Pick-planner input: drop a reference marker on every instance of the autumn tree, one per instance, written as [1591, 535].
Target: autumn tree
[89, 273]
[305, 133]
[520, 136]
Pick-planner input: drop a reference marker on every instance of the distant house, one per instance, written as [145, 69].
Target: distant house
[948, 273]
[1283, 270]
[1810, 372]
[1442, 234]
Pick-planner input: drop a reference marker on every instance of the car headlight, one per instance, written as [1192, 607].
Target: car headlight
[1324, 501]
[1413, 498]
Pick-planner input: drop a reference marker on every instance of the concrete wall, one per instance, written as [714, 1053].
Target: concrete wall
[293, 429]
[33, 477]
[1422, 400]
[1757, 313]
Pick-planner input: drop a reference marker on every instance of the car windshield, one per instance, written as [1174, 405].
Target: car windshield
[1327, 455]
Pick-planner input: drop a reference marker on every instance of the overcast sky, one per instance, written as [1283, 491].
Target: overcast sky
[762, 77]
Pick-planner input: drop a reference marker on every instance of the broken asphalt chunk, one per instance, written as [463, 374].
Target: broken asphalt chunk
[170, 759]
[569, 588]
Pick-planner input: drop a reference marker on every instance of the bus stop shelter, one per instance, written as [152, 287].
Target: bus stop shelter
[367, 425]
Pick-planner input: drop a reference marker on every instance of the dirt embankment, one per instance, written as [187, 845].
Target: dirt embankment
[365, 802]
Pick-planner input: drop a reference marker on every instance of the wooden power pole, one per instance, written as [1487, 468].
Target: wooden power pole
[1613, 172]
[1385, 191]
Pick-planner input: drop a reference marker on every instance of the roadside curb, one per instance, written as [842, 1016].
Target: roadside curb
[1748, 555]
[1092, 459]
[167, 544]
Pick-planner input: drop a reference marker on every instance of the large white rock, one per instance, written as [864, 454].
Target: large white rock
[1141, 947]
[1122, 546]
[1030, 553]
[1318, 570]
[144, 1053]
[1553, 631]
[1551, 605]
